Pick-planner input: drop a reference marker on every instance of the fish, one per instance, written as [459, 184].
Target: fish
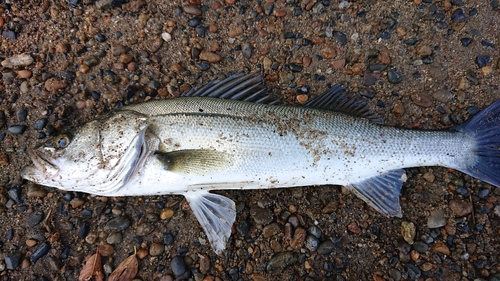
[232, 134]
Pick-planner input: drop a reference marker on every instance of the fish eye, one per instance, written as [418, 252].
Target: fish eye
[63, 141]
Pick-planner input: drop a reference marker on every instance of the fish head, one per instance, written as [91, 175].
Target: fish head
[97, 157]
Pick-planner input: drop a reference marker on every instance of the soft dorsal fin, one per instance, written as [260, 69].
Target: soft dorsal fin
[240, 87]
[335, 99]
[382, 192]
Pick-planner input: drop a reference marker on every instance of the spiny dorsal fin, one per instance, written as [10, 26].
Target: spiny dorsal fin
[335, 99]
[238, 86]
[382, 192]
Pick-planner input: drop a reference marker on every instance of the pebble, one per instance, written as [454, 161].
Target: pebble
[17, 129]
[298, 239]
[178, 266]
[443, 95]
[393, 76]
[436, 219]
[261, 216]
[424, 50]
[420, 247]
[280, 261]
[209, 56]
[235, 32]
[144, 229]
[246, 50]
[408, 231]
[12, 260]
[326, 247]
[328, 52]
[40, 124]
[311, 243]
[24, 74]
[271, 230]
[458, 15]
[119, 223]
[460, 207]
[91, 238]
[114, 238]
[156, 249]
[106, 250]
[84, 229]
[192, 10]
[482, 61]
[413, 272]
[2, 119]
[341, 37]
[52, 85]
[315, 231]
[354, 228]
[166, 36]
[15, 194]
[429, 176]
[91, 60]
[35, 219]
[41, 251]
[440, 247]
[465, 41]
[166, 214]
[17, 60]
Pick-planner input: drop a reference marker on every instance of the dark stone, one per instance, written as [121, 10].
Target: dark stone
[341, 37]
[482, 61]
[100, 37]
[22, 114]
[41, 251]
[13, 260]
[15, 194]
[40, 124]
[465, 41]
[487, 44]
[119, 223]
[194, 22]
[295, 67]
[84, 230]
[326, 247]
[17, 129]
[393, 76]
[35, 219]
[458, 15]
[178, 266]
[9, 34]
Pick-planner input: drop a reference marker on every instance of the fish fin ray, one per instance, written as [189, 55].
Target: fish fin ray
[335, 99]
[193, 161]
[215, 213]
[484, 129]
[238, 86]
[382, 192]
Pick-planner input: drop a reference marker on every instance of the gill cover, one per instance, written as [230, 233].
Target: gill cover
[97, 157]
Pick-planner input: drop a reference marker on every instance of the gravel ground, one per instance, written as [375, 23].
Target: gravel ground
[427, 64]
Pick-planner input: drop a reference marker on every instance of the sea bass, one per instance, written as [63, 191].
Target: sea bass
[231, 135]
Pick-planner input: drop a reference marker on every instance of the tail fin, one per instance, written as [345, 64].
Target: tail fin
[484, 127]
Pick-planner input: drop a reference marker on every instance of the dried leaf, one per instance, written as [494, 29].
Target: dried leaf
[126, 270]
[92, 270]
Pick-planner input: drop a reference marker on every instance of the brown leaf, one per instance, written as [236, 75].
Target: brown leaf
[92, 270]
[126, 270]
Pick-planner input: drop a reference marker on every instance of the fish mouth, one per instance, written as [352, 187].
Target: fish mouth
[42, 164]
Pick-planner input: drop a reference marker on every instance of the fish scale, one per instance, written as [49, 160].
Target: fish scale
[203, 142]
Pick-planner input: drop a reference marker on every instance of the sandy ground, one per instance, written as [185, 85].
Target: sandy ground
[421, 64]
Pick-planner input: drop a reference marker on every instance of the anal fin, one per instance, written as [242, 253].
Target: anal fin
[382, 192]
[216, 215]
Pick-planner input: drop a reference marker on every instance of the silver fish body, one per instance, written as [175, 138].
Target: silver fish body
[196, 144]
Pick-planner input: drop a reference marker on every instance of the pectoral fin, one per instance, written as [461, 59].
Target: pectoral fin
[382, 192]
[193, 161]
[216, 215]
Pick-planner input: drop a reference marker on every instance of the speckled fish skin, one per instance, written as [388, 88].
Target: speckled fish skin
[196, 144]
[281, 146]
